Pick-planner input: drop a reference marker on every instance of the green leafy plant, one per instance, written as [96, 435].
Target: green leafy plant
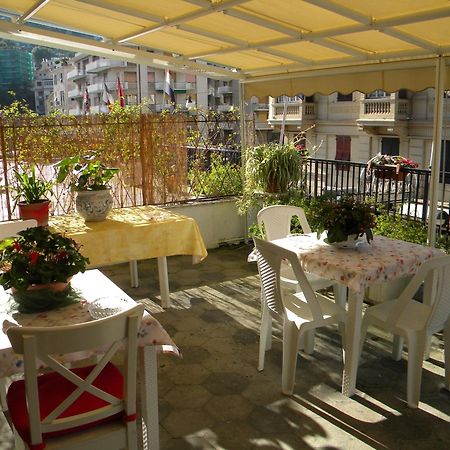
[222, 178]
[274, 167]
[29, 188]
[85, 173]
[341, 217]
[38, 256]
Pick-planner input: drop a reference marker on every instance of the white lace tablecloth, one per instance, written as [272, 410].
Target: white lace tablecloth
[381, 260]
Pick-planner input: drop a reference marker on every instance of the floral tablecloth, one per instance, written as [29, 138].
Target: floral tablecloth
[151, 332]
[383, 259]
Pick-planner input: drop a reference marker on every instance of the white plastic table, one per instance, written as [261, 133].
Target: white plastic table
[92, 284]
[135, 233]
[384, 259]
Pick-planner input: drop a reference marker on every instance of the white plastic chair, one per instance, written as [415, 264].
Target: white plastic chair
[299, 312]
[416, 322]
[276, 220]
[83, 408]
[11, 228]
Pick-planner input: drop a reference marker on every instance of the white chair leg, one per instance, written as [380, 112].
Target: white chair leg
[308, 341]
[416, 349]
[265, 337]
[397, 347]
[290, 347]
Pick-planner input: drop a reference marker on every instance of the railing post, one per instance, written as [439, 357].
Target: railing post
[5, 168]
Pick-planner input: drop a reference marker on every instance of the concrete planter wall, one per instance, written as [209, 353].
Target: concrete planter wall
[219, 221]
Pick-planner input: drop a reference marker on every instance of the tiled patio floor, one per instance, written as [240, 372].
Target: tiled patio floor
[214, 398]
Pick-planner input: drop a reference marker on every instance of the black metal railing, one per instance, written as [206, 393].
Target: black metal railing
[405, 193]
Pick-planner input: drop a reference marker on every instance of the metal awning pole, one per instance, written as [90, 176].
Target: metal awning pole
[436, 148]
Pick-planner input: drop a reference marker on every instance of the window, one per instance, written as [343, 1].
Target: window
[343, 151]
[390, 146]
[377, 94]
[344, 97]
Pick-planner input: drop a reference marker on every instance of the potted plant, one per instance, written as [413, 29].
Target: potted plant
[390, 167]
[31, 196]
[344, 219]
[274, 167]
[89, 178]
[37, 266]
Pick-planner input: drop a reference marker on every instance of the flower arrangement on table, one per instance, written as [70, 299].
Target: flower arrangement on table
[341, 218]
[396, 161]
[37, 266]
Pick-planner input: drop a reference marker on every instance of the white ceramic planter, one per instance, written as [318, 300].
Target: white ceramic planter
[94, 206]
[352, 241]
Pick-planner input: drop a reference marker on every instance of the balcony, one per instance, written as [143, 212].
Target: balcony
[74, 93]
[224, 90]
[296, 113]
[76, 74]
[225, 108]
[104, 64]
[261, 106]
[75, 111]
[177, 87]
[383, 112]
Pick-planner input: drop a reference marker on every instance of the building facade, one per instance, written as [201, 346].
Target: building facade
[16, 74]
[355, 126]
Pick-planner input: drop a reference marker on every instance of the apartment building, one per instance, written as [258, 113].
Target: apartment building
[355, 126]
[50, 86]
[96, 78]
[16, 74]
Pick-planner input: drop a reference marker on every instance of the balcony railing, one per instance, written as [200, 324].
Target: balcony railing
[384, 109]
[104, 64]
[295, 112]
[408, 197]
[76, 74]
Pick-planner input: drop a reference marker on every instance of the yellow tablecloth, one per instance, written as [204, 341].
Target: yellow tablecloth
[133, 233]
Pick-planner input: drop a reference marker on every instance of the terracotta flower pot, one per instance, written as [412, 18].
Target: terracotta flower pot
[38, 211]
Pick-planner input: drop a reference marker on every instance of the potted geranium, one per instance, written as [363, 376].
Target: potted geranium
[89, 178]
[344, 219]
[37, 266]
[30, 195]
[388, 166]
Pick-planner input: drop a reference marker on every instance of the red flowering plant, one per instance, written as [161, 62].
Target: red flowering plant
[396, 161]
[38, 256]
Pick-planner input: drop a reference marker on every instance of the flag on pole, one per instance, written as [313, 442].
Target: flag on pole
[168, 89]
[120, 92]
[108, 99]
[87, 102]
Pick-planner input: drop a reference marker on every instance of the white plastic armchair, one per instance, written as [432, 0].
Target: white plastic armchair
[299, 312]
[88, 407]
[276, 220]
[416, 322]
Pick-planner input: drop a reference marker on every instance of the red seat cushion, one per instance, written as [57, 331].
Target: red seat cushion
[53, 389]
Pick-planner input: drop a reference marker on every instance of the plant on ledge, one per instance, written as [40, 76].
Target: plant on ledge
[36, 261]
[397, 161]
[341, 218]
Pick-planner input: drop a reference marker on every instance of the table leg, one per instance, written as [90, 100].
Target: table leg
[134, 276]
[149, 397]
[352, 341]
[163, 282]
